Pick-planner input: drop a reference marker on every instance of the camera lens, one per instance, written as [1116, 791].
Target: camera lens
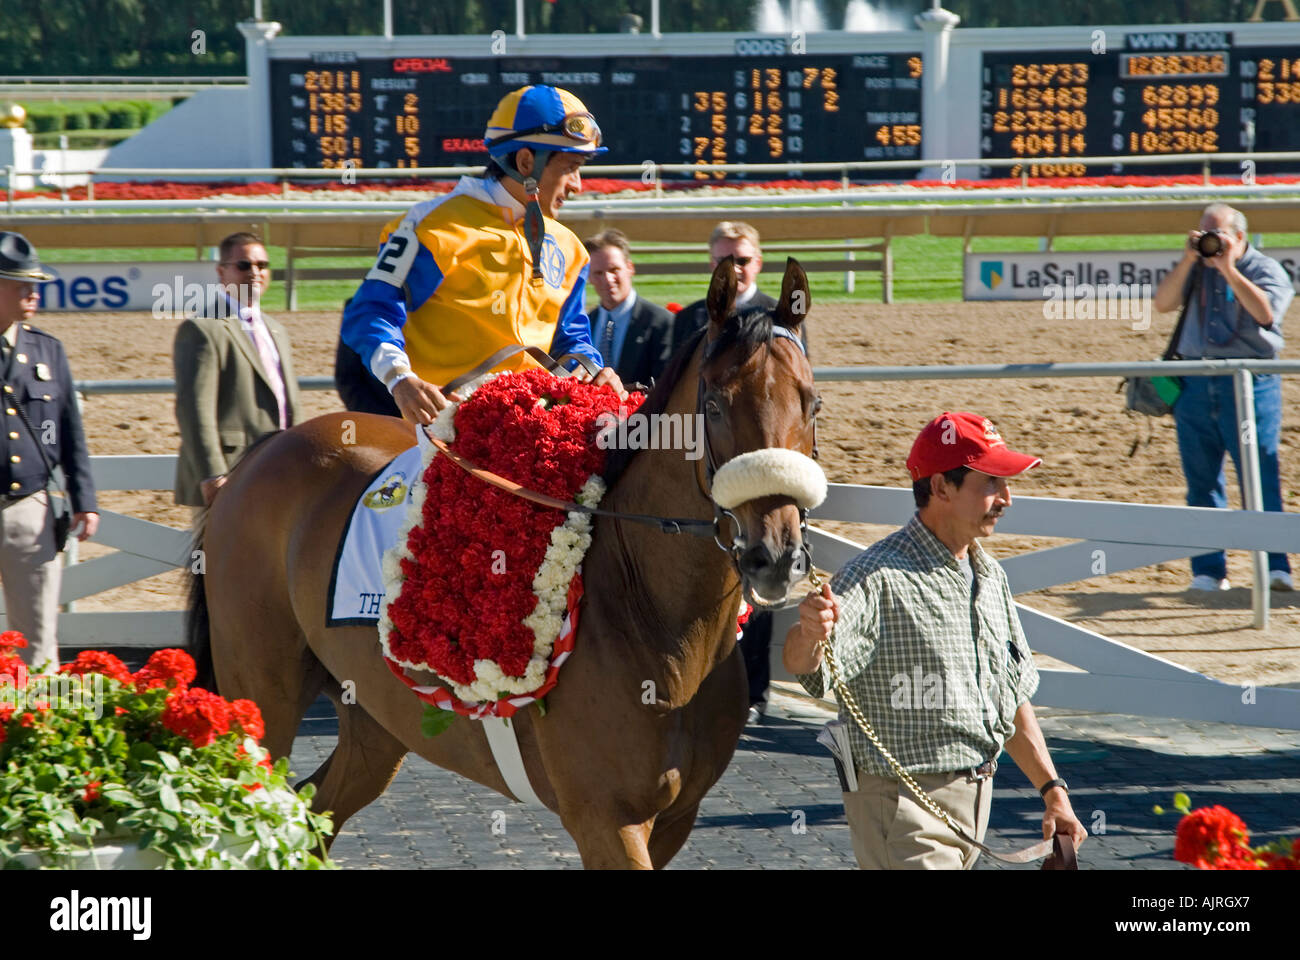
[1210, 244]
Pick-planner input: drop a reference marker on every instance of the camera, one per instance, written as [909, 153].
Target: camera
[1209, 244]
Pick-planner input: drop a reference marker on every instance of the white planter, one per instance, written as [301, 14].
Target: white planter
[102, 856]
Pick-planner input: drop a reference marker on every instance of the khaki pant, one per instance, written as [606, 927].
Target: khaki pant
[892, 831]
[30, 573]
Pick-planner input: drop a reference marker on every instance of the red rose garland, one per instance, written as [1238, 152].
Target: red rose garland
[475, 572]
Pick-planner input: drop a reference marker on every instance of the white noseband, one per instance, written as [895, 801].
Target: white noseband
[773, 472]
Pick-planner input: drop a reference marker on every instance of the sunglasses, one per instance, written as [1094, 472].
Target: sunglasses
[739, 261]
[245, 265]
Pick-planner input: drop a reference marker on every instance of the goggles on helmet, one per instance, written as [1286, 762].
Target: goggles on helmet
[575, 126]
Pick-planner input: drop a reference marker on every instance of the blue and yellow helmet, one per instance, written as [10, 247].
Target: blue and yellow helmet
[544, 119]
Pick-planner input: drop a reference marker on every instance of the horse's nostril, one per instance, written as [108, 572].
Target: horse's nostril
[756, 559]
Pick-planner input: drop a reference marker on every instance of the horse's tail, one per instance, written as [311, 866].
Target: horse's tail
[197, 627]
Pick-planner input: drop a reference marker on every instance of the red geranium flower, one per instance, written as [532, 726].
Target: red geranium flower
[171, 668]
[197, 714]
[1213, 838]
[91, 793]
[13, 671]
[11, 640]
[97, 661]
[246, 714]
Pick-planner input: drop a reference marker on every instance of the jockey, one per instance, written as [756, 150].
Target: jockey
[485, 266]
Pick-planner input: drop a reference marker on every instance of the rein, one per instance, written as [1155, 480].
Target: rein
[700, 528]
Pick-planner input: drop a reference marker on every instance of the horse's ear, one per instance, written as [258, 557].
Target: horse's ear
[722, 291]
[792, 308]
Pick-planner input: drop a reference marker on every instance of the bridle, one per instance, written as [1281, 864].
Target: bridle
[738, 544]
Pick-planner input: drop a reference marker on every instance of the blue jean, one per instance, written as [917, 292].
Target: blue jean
[1206, 417]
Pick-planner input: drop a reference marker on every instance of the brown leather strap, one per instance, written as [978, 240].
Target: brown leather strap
[1063, 854]
[498, 358]
[701, 528]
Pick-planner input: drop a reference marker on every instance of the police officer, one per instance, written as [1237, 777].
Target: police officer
[41, 427]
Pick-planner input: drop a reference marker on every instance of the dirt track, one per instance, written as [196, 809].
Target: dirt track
[1078, 426]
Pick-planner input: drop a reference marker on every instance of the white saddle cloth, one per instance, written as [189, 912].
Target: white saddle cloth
[357, 582]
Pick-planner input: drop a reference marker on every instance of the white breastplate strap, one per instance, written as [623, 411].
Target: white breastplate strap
[505, 751]
[774, 471]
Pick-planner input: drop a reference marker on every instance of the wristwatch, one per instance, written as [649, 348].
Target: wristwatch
[1058, 782]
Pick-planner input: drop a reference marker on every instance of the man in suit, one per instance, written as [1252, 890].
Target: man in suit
[234, 374]
[633, 335]
[42, 427]
[730, 238]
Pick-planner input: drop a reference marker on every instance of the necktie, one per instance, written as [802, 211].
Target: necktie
[270, 363]
[607, 338]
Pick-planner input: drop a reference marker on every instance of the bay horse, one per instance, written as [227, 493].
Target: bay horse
[625, 776]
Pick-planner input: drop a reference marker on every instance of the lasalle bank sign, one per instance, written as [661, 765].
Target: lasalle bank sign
[1023, 276]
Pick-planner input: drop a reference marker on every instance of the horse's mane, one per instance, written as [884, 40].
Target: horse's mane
[746, 331]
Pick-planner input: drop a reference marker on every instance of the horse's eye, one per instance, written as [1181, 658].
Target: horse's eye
[817, 406]
[712, 409]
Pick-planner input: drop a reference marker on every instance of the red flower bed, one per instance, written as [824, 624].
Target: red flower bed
[177, 190]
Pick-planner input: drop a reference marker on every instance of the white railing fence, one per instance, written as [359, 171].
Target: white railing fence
[1113, 537]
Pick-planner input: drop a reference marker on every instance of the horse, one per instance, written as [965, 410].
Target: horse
[625, 771]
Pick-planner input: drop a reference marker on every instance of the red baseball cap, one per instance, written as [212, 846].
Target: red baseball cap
[954, 440]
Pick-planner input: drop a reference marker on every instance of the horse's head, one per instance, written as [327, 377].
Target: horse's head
[759, 405]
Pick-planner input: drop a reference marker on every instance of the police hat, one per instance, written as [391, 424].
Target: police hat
[18, 259]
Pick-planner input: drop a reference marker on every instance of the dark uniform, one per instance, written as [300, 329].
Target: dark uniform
[37, 382]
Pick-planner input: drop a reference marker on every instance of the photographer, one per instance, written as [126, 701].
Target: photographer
[1236, 299]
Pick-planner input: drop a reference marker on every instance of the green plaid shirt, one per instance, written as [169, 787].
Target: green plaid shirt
[938, 672]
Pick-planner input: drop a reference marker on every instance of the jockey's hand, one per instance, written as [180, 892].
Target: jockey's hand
[420, 402]
[607, 377]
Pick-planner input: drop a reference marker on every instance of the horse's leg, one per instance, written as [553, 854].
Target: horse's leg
[284, 678]
[668, 836]
[363, 764]
[607, 846]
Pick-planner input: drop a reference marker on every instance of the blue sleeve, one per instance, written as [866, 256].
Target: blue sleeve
[404, 276]
[573, 331]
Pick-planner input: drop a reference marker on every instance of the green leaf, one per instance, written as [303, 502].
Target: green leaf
[435, 720]
[1182, 803]
[144, 751]
[541, 706]
[1158, 810]
[169, 761]
[46, 782]
[167, 797]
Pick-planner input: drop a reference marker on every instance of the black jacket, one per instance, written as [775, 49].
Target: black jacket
[647, 344]
[357, 386]
[38, 380]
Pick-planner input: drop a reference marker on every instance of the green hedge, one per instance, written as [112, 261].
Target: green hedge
[109, 114]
